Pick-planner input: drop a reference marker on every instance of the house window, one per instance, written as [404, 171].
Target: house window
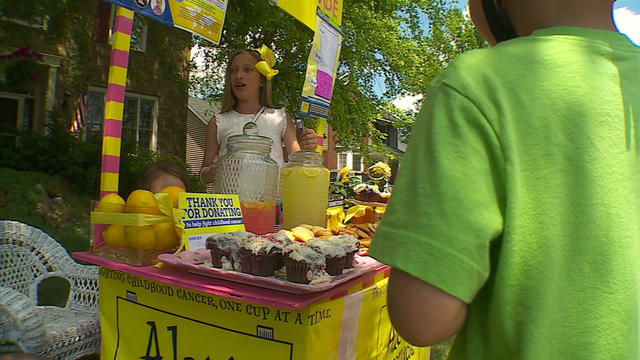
[139, 119]
[24, 13]
[138, 32]
[392, 133]
[357, 163]
[342, 160]
[17, 110]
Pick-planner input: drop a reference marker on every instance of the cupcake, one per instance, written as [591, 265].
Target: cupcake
[333, 252]
[281, 237]
[303, 264]
[224, 249]
[367, 193]
[262, 256]
[350, 244]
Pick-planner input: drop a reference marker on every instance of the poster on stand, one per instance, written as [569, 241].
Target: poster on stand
[322, 66]
[207, 214]
[202, 17]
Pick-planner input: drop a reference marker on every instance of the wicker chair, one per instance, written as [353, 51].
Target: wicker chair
[27, 257]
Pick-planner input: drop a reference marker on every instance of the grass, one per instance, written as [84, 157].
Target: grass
[21, 199]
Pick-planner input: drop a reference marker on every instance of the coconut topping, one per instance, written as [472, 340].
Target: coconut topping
[365, 188]
[300, 252]
[326, 247]
[348, 242]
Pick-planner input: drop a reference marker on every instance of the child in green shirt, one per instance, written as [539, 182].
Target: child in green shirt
[515, 218]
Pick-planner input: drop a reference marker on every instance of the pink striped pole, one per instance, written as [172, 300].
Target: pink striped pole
[117, 83]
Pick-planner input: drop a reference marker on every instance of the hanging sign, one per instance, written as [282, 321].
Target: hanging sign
[305, 10]
[202, 17]
[206, 214]
[322, 67]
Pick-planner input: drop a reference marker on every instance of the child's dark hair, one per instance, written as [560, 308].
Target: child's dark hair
[159, 168]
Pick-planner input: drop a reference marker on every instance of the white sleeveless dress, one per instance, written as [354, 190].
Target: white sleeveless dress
[271, 123]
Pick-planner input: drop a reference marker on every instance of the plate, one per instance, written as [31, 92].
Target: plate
[367, 203]
[199, 262]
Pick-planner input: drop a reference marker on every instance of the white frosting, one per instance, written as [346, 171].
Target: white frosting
[226, 263]
[326, 247]
[365, 187]
[300, 252]
[348, 242]
[260, 245]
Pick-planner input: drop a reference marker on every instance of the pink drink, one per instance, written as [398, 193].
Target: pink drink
[259, 218]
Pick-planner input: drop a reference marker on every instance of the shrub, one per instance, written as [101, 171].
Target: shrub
[76, 161]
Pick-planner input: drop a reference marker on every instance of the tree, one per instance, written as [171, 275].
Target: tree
[384, 40]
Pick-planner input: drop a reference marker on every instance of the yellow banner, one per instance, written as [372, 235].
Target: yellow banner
[204, 18]
[147, 319]
[305, 10]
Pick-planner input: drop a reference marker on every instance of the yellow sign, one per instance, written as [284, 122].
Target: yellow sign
[147, 319]
[202, 17]
[305, 10]
[206, 214]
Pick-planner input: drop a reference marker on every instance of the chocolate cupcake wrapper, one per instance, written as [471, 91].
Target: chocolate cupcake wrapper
[217, 255]
[259, 265]
[335, 265]
[348, 260]
[296, 271]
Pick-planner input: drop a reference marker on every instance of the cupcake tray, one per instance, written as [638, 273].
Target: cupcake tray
[367, 203]
[199, 262]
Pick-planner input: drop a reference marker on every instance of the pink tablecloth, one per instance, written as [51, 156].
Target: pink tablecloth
[232, 289]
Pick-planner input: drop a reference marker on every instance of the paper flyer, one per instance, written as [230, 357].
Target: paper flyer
[206, 214]
[202, 17]
[322, 67]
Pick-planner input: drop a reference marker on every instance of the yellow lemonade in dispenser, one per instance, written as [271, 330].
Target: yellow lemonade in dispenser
[304, 184]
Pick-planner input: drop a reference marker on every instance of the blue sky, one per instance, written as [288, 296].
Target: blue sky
[626, 17]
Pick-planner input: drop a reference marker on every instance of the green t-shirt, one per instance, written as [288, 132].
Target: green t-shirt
[520, 195]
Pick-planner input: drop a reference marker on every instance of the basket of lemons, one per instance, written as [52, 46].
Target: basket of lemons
[135, 231]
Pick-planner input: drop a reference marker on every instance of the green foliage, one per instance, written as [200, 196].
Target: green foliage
[345, 188]
[76, 161]
[135, 161]
[384, 40]
[21, 66]
[20, 199]
[68, 22]
[58, 152]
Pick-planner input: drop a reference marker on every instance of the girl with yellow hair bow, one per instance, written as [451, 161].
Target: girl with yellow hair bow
[247, 98]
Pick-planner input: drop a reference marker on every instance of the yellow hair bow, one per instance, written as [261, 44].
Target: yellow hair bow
[265, 67]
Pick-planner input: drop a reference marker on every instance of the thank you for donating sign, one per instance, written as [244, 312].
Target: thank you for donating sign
[206, 214]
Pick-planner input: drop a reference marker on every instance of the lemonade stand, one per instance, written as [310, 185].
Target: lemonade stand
[184, 308]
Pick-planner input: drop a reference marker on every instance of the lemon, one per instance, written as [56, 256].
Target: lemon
[312, 172]
[112, 203]
[114, 236]
[166, 236]
[173, 192]
[285, 172]
[142, 202]
[140, 237]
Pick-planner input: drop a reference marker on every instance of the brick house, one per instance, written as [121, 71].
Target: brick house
[155, 111]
